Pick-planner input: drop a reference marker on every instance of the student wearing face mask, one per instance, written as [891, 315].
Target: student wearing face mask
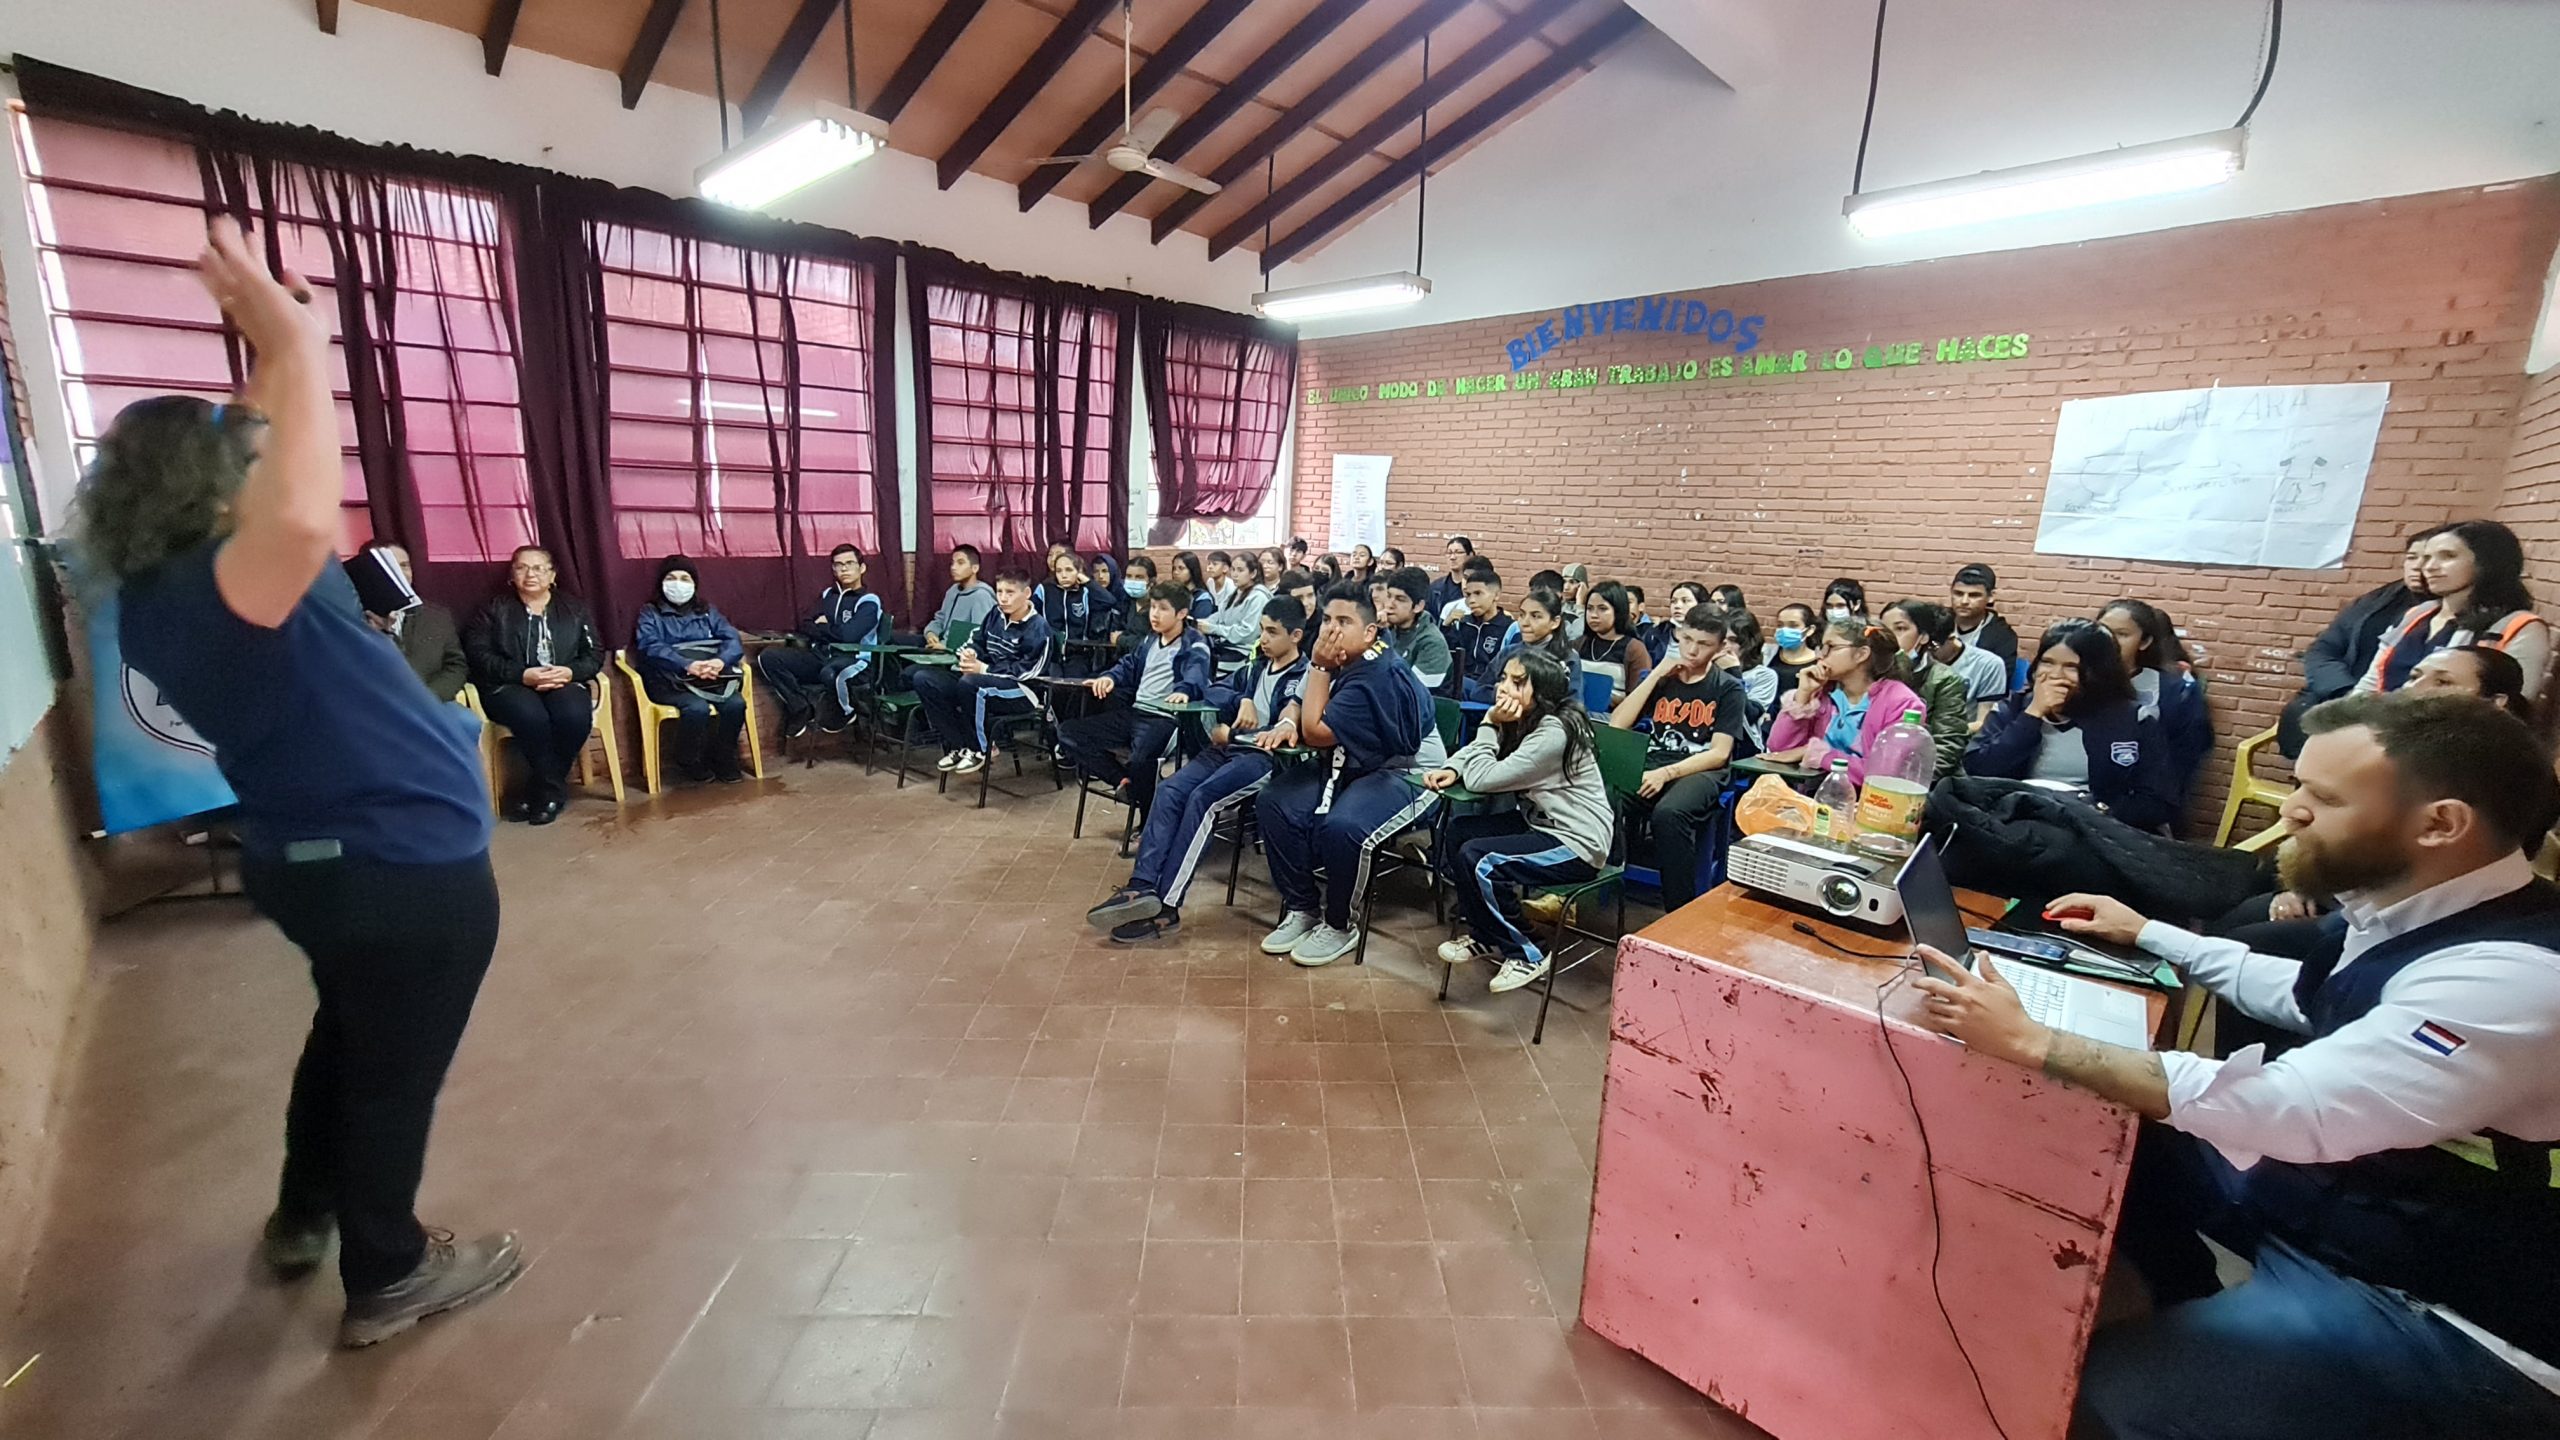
[1921, 629]
[1845, 599]
[1791, 647]
[1136, 579]
[689, 658]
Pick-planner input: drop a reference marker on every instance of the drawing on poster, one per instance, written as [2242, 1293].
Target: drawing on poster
[1359, 502]
[2236, 475]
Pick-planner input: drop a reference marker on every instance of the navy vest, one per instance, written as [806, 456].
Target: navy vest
[2484, 1242]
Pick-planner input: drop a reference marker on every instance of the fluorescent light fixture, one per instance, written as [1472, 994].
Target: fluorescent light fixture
[788, 156]
[1342, 297]
[2163, 167]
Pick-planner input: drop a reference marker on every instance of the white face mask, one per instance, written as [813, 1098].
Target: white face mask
[677, 589]
[1838, 612]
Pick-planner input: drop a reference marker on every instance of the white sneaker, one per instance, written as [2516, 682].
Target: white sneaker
[969, 763]
[1516, 973]
[1461, 951]
[950, 760]
[1323, 945]
[1293, 928]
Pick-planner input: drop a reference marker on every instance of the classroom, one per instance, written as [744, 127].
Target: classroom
[1248, 719]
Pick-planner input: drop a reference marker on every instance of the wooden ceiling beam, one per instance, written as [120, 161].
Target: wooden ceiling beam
[1205, 25]
[328, 17]
[931, 46]
[789, 54]
[1490, 112]
[1444, 80]
[646, 47]
[1402, 36]
[1041, 68]
[1229, 98]
[498, 33]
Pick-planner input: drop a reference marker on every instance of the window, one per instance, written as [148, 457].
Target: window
[1024, 415]
[742, 391]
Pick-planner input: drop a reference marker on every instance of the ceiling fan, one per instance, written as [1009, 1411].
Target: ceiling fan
[1133, 153]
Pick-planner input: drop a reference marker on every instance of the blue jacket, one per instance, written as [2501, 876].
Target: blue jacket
[1379, 713]
[1445, 592]
[1190, 664]
[1229, 694]
[2187, 728]
[1477, 646]
[847, 617]
[1203, 604]
[1010, 650]
[1087, 612]
[662, 629]
[2130, 771]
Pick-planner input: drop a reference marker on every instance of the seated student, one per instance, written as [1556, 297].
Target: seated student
[1845, 599]
[1535, 744]
[1328, 572]
[1374, 717]
[1409, 630]
[1300, 586]
[1451, 614]
[1232, 630]
[1297, 556]
[425, 634]
[1697, 721]
[1363, 566]
[1972, 595]
[1792, 648]
[1923, 630]
[1218, 568]
[1081, 615]
[1843, 700]
[1010, 647]
[2076, 723]
[2332, 664]
[2162, 687]
[2475, 573]
[1727, 597]
[1391, 558]
[1104, 573]
[1608, 636]
[1745, 658]
[1484, 634]
[967, 602]
[689, 657]
[1273, 566]
[1449, 592]
[1986, 676]
[2493, 675]
[1658, 636]
[533, 652]
[1574, 584]
[1048, 562]
[1188, 574]
[815, 685]
[1136, 579]
[2389, 1175]
[1540, 627]
[1169, 667]
[1228, 774]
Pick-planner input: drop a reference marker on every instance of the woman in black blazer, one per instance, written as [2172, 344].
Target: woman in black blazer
[533, 651]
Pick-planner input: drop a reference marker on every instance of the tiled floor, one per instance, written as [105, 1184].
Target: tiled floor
[824, 1115]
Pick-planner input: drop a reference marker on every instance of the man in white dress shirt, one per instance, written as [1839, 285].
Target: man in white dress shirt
[2392, 1174]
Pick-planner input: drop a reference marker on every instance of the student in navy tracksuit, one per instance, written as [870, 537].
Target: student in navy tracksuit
[1480, 639]
[2163, 688]
[689, 657]
[2076, 723]
[1083, 615]
[1221, 778]
[1011, 646]
[1372, 714]
[815, 684]
[1169, 667]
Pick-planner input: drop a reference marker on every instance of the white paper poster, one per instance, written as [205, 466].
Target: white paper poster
[1359, 502]
[2236, 475]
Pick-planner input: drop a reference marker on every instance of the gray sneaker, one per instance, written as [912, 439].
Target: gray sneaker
[295, 1248]
[1323, 945]
[448, 1277]
[1293, 928]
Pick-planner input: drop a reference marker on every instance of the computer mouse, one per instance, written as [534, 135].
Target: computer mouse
[2070, 912]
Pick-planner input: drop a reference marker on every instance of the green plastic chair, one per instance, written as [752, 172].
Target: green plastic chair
[1451, 720]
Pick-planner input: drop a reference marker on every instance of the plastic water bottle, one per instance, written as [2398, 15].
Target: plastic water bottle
[1835, 805]
[1900, 768]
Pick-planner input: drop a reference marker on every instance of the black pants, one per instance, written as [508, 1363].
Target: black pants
[1488, 860]
[706, 739]
[961, 708]
[1684, 815]
[1091, 740]
[550, 728]
[810, 685]
[397, 953]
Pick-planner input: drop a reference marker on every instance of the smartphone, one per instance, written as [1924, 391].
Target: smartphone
[2029, 947]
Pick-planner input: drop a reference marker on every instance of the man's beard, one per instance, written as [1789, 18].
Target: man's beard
[2332, 869]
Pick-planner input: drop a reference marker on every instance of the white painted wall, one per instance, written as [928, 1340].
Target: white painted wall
[1649, 175]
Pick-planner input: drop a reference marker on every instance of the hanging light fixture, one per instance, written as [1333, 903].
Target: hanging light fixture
[1368, 292]
[785, 157]
[2132, 172]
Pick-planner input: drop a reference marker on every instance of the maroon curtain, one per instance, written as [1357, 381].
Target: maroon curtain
[1024, 411]
[1219, 388]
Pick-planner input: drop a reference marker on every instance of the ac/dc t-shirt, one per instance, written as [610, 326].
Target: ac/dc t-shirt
[1687, 715]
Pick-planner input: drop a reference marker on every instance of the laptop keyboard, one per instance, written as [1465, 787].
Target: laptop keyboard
[2045, 994]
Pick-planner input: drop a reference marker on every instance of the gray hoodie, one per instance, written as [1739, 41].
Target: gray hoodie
[1573, 807]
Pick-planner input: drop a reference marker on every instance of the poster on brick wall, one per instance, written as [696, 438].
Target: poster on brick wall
[1359, 502]
[2234, 475]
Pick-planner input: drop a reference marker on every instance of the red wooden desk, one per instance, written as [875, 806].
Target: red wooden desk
[1761, 1220]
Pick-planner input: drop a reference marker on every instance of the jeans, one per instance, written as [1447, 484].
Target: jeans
[1089, 741]
[959, 710]
[1488, 860]
[1188, 807]
[812, 685]
[1684, 815]
[1366, 813]
[549, 727]
[706, 730]
[397, 953]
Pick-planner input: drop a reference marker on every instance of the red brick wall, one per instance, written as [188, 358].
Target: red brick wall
[1896, 476]
[2531, 502]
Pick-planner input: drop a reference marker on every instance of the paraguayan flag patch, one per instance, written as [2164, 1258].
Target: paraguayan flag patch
[2125, 752]
[2437, 1038]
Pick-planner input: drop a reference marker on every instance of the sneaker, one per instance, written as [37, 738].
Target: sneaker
[1126, 904]
[1293, 928]
[836, 724]
[1516, 973]
[950, 760]
[1163, 925]
[970, 763]
[295, 1248]
[448, 1277]
[795, 726]
[1323, 945]
[1462, 951]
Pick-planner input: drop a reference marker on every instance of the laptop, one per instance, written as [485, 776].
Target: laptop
[2066, 1002]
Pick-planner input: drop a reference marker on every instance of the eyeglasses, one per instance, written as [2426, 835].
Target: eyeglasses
[1841, 647]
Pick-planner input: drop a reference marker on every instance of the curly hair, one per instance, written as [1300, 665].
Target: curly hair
[162, 481]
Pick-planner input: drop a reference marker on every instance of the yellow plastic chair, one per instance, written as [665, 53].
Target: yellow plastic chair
[653, 716]
[2247, 788]
[493, 759]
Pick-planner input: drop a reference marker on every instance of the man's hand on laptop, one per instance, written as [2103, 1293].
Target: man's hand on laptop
[2099, 917]
[1980, 1010]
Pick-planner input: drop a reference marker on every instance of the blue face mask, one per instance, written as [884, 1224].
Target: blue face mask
[1789, 637]
[1134, 587]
